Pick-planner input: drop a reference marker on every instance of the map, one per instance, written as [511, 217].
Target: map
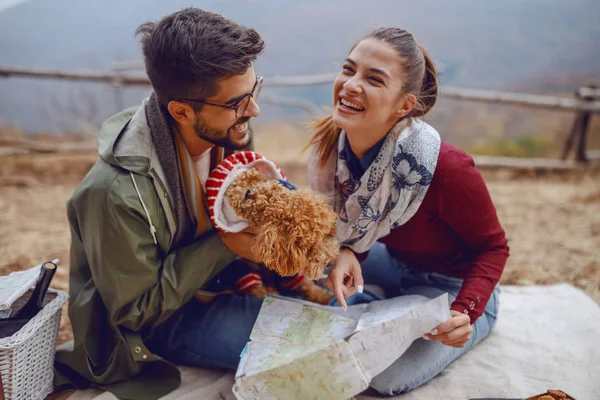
[300, 350]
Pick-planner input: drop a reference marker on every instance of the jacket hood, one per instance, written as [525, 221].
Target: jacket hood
[125, 141]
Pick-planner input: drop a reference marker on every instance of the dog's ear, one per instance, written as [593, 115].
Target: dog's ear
[276, 249]
[321, 256]
[312, 248]
[329, 218]
[326, 248]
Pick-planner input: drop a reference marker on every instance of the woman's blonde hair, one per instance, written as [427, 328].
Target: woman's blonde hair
[421, 79]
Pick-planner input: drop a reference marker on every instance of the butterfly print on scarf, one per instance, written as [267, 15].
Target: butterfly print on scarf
[368, 216]
[407, 173]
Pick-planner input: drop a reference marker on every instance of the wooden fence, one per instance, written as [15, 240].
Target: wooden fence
[585, 102]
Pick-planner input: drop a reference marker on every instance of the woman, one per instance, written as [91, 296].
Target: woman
[415, 214]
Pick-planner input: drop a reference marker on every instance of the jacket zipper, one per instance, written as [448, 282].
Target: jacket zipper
[164, 201]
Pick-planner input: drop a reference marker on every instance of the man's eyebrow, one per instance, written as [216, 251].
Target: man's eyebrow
[236, 99]
[374, 70]
[240, 97]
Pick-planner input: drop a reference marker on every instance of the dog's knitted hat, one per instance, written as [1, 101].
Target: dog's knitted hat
[221, 213]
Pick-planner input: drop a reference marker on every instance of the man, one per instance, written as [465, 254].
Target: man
[142, 241]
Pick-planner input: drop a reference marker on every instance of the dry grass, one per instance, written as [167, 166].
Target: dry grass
[554, 230]
[553, 223]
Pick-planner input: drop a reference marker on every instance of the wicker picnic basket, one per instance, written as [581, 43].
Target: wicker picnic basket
[27, 356]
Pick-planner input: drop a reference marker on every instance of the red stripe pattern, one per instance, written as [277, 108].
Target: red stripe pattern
[247, 282]
[218, 175]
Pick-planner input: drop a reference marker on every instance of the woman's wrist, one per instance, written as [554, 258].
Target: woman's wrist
[360, 257]
[346, 250]
[346, 254]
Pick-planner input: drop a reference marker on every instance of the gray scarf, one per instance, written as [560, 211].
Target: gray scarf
[164, 143]
[391, 190]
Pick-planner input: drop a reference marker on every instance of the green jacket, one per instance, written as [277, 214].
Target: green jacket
[122, 283]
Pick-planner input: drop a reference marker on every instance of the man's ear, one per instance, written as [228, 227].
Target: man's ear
[182, 113]
[406, 105]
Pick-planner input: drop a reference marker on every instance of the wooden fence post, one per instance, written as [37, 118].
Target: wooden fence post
[579, 131]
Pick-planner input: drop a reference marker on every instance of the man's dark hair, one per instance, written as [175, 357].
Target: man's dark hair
[188, 52]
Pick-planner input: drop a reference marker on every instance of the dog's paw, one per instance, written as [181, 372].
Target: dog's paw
[272, 290]
[314, 293]
[259, 291]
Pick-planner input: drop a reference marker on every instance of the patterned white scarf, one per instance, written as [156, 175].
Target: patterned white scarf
[390, 191]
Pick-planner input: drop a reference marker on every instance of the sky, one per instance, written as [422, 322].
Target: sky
[9, 3]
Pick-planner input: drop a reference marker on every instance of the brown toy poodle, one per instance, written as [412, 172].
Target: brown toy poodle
[295, 229]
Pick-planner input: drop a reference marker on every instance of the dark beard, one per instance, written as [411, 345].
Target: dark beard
[216, 137]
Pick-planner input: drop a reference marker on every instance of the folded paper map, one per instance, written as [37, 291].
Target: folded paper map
[300, 350]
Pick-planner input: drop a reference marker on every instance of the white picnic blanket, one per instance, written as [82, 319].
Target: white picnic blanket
[547, 337]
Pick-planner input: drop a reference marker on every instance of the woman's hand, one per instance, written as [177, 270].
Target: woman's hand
[455, 332]
[345, 277]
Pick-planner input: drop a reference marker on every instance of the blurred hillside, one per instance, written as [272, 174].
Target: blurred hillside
[512, 44]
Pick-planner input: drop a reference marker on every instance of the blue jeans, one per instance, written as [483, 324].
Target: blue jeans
[424, 359]
[208, 335]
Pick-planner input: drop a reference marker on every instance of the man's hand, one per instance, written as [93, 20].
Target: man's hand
[455, 332]
[240, 243]
[345, 277]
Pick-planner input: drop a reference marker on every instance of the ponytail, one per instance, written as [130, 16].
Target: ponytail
[429, 88]
[325, 138]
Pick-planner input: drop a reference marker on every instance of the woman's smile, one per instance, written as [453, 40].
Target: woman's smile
[348, 105]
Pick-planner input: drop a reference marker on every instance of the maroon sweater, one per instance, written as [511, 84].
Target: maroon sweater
[455, 232]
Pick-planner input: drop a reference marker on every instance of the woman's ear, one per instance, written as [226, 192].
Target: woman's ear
[406, 105]
[182, 113]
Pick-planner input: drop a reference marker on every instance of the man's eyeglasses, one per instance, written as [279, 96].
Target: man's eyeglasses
[241, 105]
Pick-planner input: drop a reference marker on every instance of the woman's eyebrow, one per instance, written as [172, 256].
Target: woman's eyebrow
[379, 71]
[374, 70]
